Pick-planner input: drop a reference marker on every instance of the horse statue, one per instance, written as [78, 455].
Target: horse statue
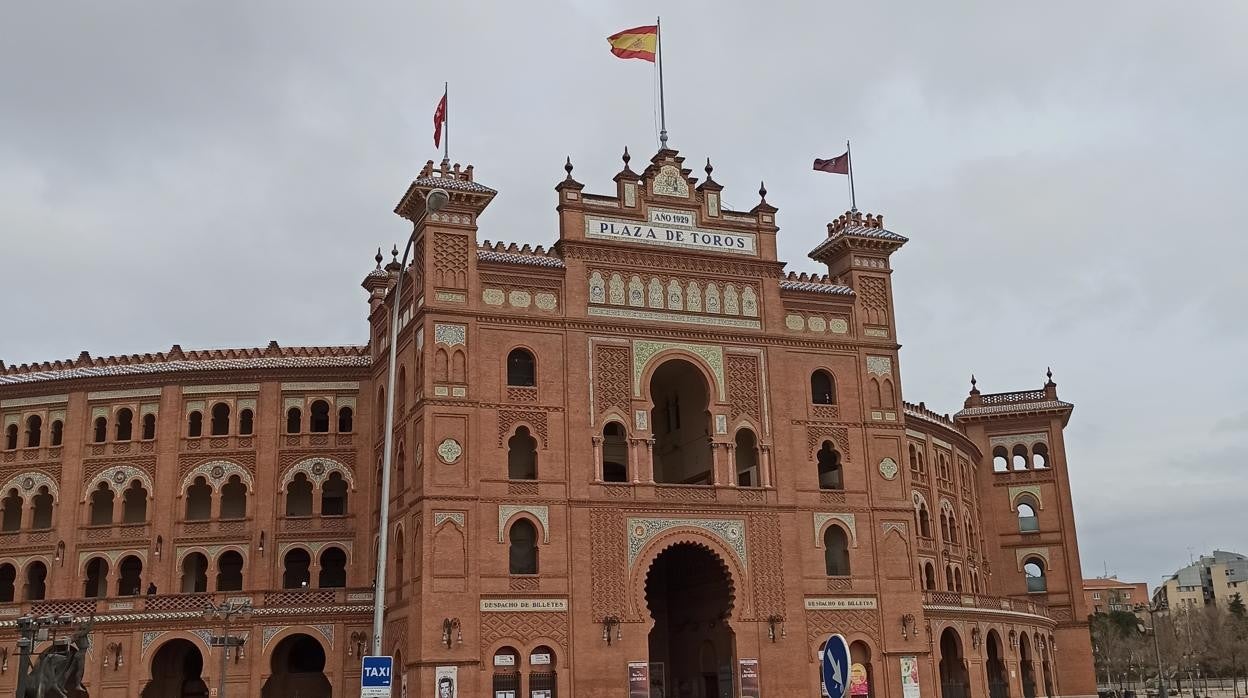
[59, 668]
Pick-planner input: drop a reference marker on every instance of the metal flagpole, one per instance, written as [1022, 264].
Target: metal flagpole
[662, 109]
[446, 121]
[853, 200]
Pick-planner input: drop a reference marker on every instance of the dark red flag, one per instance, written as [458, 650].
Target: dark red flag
[439, 118]
[836, 165]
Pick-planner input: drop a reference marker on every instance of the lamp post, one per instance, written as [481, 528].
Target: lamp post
[225, 640]
[1154, 609]
[32, 630]
[434, 201]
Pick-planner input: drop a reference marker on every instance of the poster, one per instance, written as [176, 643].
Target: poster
[446, 682]
[749, 678]
[539, 694]
[504, 694]
[909, 677]
[638, 680]
[858, 680]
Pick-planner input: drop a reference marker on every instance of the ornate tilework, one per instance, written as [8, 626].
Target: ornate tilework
[669, 182]
[730, 531]
[217, 473]
[847, 519]
[643, 351]
[450, 450]
[545, 301]
[441, 517]
[641, 420]
[888, 468]
[119, 478]
[679, 318]
[539, 512]
[838, 325]
[318, 470]
[879, 365]
[450, 335]
[28, 483]
[493, 296]
[519, 299]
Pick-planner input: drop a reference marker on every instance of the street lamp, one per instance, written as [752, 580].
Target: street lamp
[32, 630]
[1154, 609]
[225, 640]
[435, 200]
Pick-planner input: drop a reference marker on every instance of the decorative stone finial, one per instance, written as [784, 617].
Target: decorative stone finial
[379, 258]
[709, 169]
[974, 390]
[567, 167]
[762, 191]
[394, 252]
[627, 157]
[1049, 375]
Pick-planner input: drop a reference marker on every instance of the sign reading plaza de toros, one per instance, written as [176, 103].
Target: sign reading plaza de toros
[670, 229]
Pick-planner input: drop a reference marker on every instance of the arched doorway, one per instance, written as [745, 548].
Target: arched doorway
[1026, 667]
[998, 685]
[861, 681]
[177, 672]
[298, 666]
[953, 676]
[680, 422]
[692, 647]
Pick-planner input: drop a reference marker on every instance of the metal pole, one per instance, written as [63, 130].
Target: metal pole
[658, 39]
[434, 200]
[23, 661]
[1161, 692]
[225, 647]
[849, 161]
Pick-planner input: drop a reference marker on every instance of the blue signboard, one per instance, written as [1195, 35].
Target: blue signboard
[835, 667]
[376, 675]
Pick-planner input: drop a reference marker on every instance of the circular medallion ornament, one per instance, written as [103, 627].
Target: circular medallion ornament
[119, 476]
[888, 468]
[639, 531]
[28, 483]
[450, 450]
[218, 472]
[318, 468]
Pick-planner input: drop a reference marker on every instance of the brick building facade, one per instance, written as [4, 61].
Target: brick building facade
[646, 444]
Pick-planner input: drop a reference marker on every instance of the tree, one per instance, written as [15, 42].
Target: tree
[1236, 607]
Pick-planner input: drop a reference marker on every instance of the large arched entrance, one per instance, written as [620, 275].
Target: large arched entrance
[680, 421]
[298, 666]
[953, 675]
[692, 648]
[998, 684]
[177, 672]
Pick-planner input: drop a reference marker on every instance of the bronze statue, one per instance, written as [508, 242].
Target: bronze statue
[58, 670]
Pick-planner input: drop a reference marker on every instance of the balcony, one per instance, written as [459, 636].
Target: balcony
[173, 606]
[119, 448]
[315, 523]
[317, 440]
[213, 527]
[946, 599]
[218, 443]
[927, 545]
[119, 531]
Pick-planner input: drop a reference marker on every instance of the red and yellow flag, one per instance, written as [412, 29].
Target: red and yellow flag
[638, 42]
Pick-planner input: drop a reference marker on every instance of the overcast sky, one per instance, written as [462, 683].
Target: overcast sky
[1071, 176]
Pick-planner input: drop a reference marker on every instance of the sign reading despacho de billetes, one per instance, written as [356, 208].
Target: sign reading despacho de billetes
[670, 229]
[837, 603]
[497, 605]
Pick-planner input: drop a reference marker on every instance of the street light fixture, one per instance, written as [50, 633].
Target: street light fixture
[1154, 609]
[435, 200]
[224, 613]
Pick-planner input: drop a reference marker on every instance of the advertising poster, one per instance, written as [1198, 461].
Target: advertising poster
[909, 677]
[638, 680]
[749, 678]
[446, 682]
[858, 680]
[539, 694]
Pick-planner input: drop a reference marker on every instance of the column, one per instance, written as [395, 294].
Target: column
[119, 507]
[718, 467]
[764, 465]
[598, 474]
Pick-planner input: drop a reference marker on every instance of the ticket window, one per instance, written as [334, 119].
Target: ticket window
[542, 676]
[506, 683]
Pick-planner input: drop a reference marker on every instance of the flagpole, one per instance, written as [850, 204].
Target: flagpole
[849, 157]
[446, 121]
[662, 109]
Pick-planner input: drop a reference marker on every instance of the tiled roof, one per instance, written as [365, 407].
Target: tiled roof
[862, 231]
[452, 183]
[1014, 407]
[517, 258]
[815, 287]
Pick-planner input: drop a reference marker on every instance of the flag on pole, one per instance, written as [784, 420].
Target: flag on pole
[638, 42]
[439, 118]
[836, 165]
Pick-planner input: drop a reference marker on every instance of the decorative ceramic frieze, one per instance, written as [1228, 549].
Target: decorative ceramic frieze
[539, 512]
[730, 531]
[643, 351]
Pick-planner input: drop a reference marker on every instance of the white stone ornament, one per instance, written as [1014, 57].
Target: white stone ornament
[888, 468]
[450, 450]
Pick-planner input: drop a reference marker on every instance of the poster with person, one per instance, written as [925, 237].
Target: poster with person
[909, 677]
[858, 685]
[446, 682]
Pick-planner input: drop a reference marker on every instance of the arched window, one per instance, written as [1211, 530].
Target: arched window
[925, 520]
[1000, 459]
[914, 459]
[948, 578]
[971, 541]
[295, 568]
[1019, 462]
[58, 432]
[199, 500]
[34, 431]
[836, 552]
[334, 496]
[378, 419]
[542, 679]
[194, 573]
[149, 427]
[400, 571]
[124, 428]
[522, 456]
[12, 519]
[957, 580]
[299, 496]
[746, 458]
[346, 420]
[102, 505]
[194, 425]
[830, 473]
[10, 437]
[320, 417]
[234, 499]
[1028, 522]
[96, 583]
[974, 582]
[1033, 570]
[521, 369]
[246, 422]
[130, 579]
[614, 453]
[294, 420]
[929, 577]
[400, 470]
[1039, 457]
[944, 527]
[333, 569]
[134, 503]
[506, 678]
[8, 580]
[822, 388]
[522, 555]
[400, 392]
[230, 571]
[220, 419]
[36, 581]
[43, 509]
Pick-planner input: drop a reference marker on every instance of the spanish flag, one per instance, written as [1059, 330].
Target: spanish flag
[638, 42]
